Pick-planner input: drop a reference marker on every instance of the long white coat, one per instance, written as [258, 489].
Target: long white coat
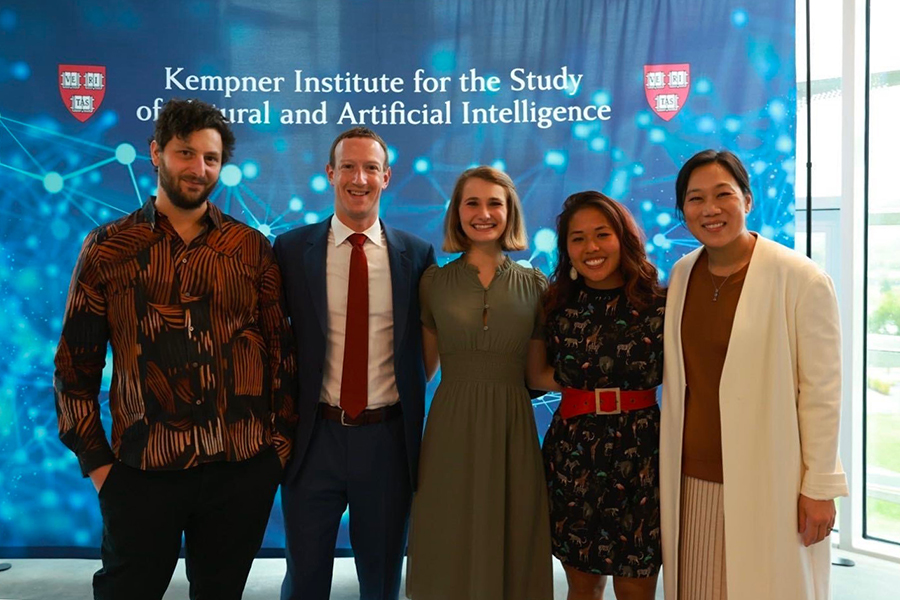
[779, 399]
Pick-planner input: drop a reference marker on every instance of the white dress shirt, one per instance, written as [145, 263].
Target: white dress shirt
[382, 382]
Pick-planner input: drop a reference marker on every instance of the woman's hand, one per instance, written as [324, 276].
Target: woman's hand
[815, 519]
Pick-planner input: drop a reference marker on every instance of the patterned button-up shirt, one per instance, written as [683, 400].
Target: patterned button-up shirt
[203, 362]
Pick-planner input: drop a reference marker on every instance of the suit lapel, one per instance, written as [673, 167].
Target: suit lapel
[314, 258]
[400, 276]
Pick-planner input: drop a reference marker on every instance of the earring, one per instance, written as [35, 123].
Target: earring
[573, 274]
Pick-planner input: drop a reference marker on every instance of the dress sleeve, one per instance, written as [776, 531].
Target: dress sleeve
[424, 297]
[819, 389]
[541, 283]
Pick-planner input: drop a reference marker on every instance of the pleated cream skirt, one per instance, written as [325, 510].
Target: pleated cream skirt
[701, 551]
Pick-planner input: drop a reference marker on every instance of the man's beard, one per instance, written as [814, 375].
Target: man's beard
[173, 191]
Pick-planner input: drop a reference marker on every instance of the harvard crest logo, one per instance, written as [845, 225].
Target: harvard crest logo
[82, 88]
[667, 88]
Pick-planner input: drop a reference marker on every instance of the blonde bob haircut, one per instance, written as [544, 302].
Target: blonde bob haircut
[514, 238]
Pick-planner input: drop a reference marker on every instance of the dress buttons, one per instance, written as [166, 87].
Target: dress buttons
[198, 402]
[195, 364]
[485, 327]
[487, 305]
[190, 328]
[184, 261]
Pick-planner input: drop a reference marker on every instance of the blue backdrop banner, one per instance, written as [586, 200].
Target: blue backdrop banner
[563, 95]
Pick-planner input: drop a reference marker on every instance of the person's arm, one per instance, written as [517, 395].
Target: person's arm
[276, 331]
[430, 352]
[818, 407]
[430, 355]
[79, 361]
[539, 374]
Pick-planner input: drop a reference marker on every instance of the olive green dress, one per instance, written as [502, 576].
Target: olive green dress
[480, 523]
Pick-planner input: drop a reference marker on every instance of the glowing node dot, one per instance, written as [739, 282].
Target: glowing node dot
[601, 98]
[499, 165]
[310, 218]
[662, 274]
[784, 143]
[20, 71]
[617, 154]
[739, 17]
[392, 155]
[659, 239]
[772, 193]
[732, 125]
[250, 169]
[758, 167]
[554, 158]
[545, 240]
[296, 204]
[421, 165]
[767, 231]
[318, 183]
[703, 86]
[646, 205]
[643, 119]
[125, 154]
[264, 229]
[599, 144]
[638, 169]
[581, 130]
[648, 247]
[657, 135]
[231, 175]
[663, 219]
[53, 182]
[706, 125]
[777, 110]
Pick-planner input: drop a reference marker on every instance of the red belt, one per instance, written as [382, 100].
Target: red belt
[603, 401]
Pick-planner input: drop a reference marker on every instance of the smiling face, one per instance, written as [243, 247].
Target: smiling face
[483, 211]
[593, 248]
[188, 168]
[358, 176]
[715, 208]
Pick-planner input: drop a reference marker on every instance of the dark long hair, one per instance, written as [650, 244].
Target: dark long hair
[640, 276]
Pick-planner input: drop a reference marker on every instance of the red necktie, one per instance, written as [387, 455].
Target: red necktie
[355, 373]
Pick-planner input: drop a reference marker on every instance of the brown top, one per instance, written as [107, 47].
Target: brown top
[705, 332]
[203, 361]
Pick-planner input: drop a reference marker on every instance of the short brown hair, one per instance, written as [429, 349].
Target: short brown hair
[358, 132]
[513, 238]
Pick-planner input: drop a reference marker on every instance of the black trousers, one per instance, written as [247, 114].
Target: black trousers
[221, 509]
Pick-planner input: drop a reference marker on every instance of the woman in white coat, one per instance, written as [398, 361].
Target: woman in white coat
[749, 467]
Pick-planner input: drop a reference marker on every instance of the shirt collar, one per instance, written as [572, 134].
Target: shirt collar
[213, 215]
[342, 232]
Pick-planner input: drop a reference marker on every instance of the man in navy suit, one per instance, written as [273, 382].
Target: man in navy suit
[352, 291]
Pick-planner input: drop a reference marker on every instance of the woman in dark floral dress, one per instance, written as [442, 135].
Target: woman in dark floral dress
[604, 322]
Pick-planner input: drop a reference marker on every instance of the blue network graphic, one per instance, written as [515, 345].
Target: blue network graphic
[60, 178]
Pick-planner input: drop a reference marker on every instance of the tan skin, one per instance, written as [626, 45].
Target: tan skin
[715, 210]
[193, 164]
[594, 251]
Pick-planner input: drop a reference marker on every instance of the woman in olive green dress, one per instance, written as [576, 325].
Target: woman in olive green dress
[480, 526]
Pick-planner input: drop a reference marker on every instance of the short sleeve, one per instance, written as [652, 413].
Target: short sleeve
[541, 284]
[425, 297]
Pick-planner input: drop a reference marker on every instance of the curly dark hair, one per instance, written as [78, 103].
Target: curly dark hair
[640, 276]
[181, 118]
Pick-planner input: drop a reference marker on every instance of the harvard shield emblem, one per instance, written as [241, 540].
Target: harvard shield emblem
[667, 88]
[82, 89]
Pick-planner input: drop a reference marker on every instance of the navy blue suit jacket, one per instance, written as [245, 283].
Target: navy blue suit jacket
[301, 254]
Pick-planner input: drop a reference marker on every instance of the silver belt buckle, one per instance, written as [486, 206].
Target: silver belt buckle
[346, 424]
[598, 391]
